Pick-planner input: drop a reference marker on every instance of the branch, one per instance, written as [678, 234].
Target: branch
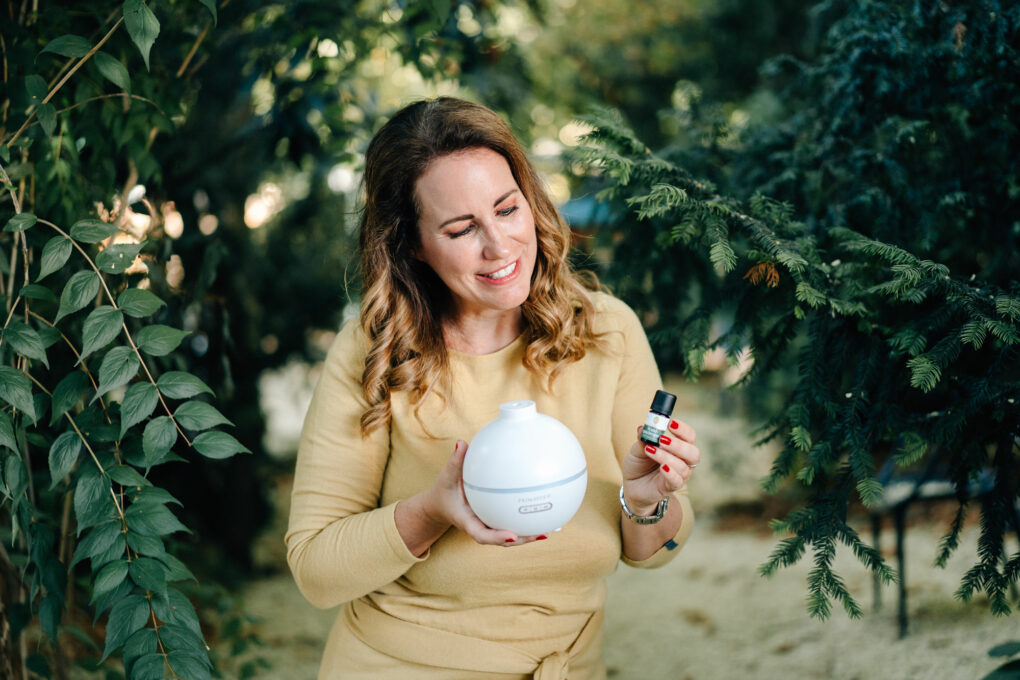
[70, 73]
[127, 333]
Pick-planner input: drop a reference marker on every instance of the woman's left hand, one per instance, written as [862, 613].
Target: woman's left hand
[650, 473]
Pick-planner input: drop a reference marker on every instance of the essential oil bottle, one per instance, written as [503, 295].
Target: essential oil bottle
[658, 417]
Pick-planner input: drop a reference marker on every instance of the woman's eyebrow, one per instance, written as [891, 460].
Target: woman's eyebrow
[471, 217]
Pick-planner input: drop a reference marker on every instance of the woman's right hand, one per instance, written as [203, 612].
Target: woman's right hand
[422, 519]
[449, 502]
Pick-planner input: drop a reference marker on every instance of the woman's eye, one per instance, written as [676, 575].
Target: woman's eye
[507, 211]
[463, 232]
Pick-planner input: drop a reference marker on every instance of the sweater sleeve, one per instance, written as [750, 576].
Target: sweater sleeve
[638, 380]
[340, 544]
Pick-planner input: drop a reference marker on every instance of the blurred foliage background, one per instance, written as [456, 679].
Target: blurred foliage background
[243, 143]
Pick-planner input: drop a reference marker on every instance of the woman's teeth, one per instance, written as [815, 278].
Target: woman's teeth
[502, 273]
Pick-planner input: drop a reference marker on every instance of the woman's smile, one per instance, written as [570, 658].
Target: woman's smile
[504, 275]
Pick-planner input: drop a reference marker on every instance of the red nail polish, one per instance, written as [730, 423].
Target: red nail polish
[509, 540]
[650, 449]
[665, 441]
[674, 425]
[665, 468]
[542, 537]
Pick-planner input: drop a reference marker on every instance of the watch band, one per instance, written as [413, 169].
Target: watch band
[660, 511]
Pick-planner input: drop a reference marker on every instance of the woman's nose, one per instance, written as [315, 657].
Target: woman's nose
[496, 243]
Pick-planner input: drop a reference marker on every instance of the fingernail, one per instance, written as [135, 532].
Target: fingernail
[665, 468]
[650, 449]
[665, 441]
[675, 425]
[542, 537]
[509, 540]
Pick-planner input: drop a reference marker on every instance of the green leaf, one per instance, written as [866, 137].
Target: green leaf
[79, 291]
[50, 335]
[153, 494]
[152, 519]
[68, 393]
[36, 87]
[181, 611]
[93, 502]
[141, 643]
[912, 449]
[96, 541]
[924, 373]
[117, 258]
[16, 390]
[73, 46]
[211, 6]
[807, 293]
[49, 614]
[7, 437]
[159, 436]
[722, 256]
[114, 71]
[115, 552]
[63, 455]
[801, 438]
[973, 333]
[21, 222]
[198, 415]
[1008, 305]
[159, 340]
[149, 574]
[47, 115]
[148, 667]
[109, 577]
[139, 402]
[102, 325]
[126, 618]
[216, 444]
[870, 490]
[142, 26]
[127, 476]
[181, 639]
[26, 341]
[119, 365]
[15, 476]
[146, 545]
[181, 385]
[189, 664]
[54, 256]
[104, 602]
[36, 292]
[139, 303]
[92, 230]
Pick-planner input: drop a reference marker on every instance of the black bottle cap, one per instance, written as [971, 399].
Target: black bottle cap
[663, 402]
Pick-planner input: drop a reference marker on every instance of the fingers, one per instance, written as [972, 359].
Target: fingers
[683, 431]
[676, 459]
[459, 452]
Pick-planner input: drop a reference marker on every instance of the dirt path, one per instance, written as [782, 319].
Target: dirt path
[709, 616]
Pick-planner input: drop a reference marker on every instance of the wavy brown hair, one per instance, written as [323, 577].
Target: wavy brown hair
[403, 300]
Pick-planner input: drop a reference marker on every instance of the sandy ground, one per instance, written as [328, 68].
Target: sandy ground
[709, 615]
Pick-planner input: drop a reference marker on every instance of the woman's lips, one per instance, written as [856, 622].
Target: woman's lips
[504, 275]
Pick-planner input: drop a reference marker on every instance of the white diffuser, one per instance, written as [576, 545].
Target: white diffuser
[525, 471]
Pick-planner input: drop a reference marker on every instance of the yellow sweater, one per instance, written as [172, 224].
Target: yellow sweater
[465, 610]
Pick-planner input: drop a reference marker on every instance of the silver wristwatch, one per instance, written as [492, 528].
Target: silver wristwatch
[660, 511]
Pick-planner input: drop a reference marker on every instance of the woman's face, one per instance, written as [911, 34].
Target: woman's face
[477, 231]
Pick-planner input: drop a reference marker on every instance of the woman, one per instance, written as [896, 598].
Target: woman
[469, 302]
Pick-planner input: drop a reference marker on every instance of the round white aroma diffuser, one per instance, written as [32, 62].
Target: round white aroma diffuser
[525, 471]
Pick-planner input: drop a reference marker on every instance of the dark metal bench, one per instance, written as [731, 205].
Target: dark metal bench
[899, 492]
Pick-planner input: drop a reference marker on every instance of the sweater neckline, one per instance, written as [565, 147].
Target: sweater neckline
[501, 353]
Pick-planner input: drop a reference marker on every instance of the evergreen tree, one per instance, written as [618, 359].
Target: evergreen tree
[869, 236]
